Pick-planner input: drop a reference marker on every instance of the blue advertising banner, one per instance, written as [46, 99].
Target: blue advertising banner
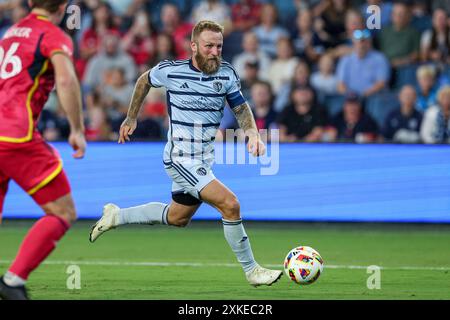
[304, 182]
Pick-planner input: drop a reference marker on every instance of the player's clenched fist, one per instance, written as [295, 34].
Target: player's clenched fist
[78, 143]
[255, 146]
[126, 129]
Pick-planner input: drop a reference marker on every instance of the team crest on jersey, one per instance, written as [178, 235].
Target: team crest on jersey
[217, 85]
[201, 171]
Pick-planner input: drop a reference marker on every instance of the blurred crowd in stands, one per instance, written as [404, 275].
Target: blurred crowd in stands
[310, 68]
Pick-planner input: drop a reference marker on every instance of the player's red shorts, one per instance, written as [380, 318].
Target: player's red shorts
[36, 167]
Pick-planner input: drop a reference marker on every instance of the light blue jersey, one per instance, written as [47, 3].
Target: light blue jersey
[196, 103]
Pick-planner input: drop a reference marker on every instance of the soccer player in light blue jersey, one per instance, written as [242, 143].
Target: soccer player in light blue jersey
[197, 90]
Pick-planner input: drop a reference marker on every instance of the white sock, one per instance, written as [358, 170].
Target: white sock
[239, 243]
[150, 213]
[13, 280]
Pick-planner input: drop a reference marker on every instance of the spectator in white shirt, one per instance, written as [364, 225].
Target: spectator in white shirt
[251, 53]
[282, 69]
[435, 126]
[214, 10]
[324, 81]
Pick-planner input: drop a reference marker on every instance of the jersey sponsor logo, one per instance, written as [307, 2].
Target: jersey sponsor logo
[217, 86]
[184, 86]
[201, 103]
[201, 171]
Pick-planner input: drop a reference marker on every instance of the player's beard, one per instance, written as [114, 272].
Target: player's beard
[207, 65]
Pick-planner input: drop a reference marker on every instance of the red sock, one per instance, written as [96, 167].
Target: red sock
[38, 244]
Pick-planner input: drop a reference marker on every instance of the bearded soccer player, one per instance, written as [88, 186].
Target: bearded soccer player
[196, 92]
[34, 56]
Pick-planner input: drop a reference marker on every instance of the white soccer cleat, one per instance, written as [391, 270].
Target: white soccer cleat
[108, 221]
[262, 276]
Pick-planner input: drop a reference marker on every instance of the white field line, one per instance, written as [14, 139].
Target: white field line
[205, 265]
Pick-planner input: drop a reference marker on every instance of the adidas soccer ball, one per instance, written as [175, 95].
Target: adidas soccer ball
[303, 265]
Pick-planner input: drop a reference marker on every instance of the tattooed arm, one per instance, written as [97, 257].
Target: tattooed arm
[128, 125]
[244, 117]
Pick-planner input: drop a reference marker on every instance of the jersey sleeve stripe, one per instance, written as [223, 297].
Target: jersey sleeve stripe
[57, 51]
[172, 64]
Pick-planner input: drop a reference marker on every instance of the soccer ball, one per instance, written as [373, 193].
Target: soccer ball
[303, 265]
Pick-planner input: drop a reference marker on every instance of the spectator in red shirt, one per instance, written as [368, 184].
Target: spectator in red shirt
[245, 14]
[140, 40]
[102, 23]
[174, 26]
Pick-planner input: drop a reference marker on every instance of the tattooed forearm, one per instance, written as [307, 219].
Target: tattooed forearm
[244, 117]
[141, 90]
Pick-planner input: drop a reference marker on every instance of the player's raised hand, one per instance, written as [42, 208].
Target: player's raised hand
[78, 143]
[126, 129]
[255, 146]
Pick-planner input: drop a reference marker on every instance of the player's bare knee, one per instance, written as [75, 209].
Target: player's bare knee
[67, 213]
[231, 209]
[71, 215]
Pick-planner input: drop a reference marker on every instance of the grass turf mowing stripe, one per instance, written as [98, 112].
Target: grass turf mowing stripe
[204, 265]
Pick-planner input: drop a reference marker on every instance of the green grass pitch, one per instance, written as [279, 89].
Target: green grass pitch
[155, 262]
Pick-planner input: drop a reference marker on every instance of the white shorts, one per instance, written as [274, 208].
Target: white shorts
[189, 177]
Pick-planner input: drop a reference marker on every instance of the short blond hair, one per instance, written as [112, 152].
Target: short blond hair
[205, 25]
[426, 71]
